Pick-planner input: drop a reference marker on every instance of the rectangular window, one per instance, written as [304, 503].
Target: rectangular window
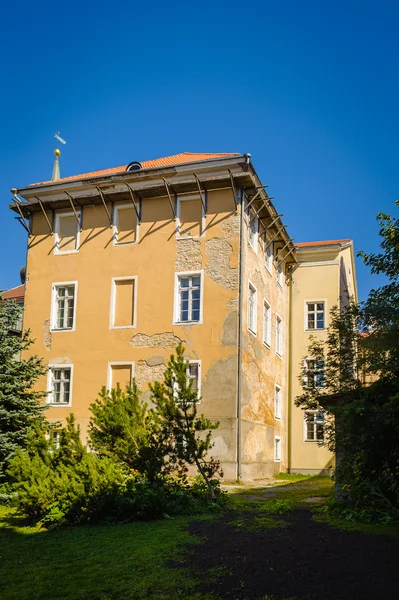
[314, 373]
[269, 256]
[188, 297]
[123, 302]
[314, 315]
[279, 336]
[60, 385]
[126, 225]
[67, 233]
[119, 373]
[277, 449]
[314, 426]
[253, 230]
[267, 313]
[190, 216]
[277, 402]
[280, 274]
[194, 375]
[63, 306]
[252, 308]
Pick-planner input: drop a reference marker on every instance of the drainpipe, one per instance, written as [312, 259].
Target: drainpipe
[290, 370]
[240, 328]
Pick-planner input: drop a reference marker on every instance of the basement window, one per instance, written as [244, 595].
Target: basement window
[126, 226]
[67, 235]
[190, 216]
[123, 302]
[277, 449]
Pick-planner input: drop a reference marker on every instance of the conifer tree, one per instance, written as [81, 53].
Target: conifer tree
[185, 435]
[19, 404]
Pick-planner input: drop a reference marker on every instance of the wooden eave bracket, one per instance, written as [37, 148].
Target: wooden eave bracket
[105, 205]
[202, 196]
[45, 215]
[132, 196]
[233, 189]
[78, 219]
[171, 202]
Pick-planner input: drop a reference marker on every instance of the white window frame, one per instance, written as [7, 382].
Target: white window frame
[319, 301]
[277, 405]
[117, 208]
[176, 304]
[254, 242]
[269, 257]
[305, 426]
[183, 198]
[280, 274]
[58, 216]
[119, 363]
[267, 331]
[306, 369]
[113, 298]
[53, 308]
[280, 354]
[49, 397]
[255, 314]
[277, 454]
[199, 363]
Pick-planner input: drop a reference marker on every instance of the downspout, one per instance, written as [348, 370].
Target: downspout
[289, 441]
[240, 329]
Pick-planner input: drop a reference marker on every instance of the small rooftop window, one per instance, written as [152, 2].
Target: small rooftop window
[134, 166]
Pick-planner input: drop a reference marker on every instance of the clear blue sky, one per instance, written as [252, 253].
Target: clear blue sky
[309, 88]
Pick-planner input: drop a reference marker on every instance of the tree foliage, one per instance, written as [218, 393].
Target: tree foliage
[19, 402]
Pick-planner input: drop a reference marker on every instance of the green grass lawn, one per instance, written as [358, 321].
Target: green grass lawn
[130, 561]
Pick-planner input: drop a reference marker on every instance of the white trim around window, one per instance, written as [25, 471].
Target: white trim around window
[277, 448]
[112, 303]
[199, 364]
[183, 198]
[50, 389]
[279, 336]
[119, 363]
[280, 274]
[59, 216]
[267, 323]
[253, 230]
[252, 311]
[54, 308]
[269, 255]
[176, 305]
[311, 426]
[277, 402]
[117, 208]
[306, 311]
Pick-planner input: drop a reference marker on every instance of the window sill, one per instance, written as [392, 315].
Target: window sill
[315, 330]
[252, 332]
[277, 460]
[188, 322]
[254, 249]
[123, 327]
[277, 418]
[58, 252]
[125, 243]
[58, 404]
[279, 355]
[266, 345]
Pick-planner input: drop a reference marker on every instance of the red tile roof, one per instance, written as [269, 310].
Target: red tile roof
[166, 161]
[325, 243]
[16, 293]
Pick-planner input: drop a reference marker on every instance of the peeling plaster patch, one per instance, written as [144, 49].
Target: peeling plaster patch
[231, 226]
[189, 255]
[47, 335]
[255, 445]
[219, 447]
[233, 303]
[144, 373]
[63, 360]
[220, 382]
[155, 360]
[218, 268]
[229, 335]
[257, 280]
[158, 340]
[257, 349]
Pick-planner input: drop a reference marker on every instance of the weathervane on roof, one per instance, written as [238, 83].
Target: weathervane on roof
[56, 168]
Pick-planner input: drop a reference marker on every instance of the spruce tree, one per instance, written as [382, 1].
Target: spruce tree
[19, 404]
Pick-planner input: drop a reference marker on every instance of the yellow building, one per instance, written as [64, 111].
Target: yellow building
[125, 263]
[324, 277]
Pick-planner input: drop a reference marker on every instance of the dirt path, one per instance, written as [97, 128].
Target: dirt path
[296, 558]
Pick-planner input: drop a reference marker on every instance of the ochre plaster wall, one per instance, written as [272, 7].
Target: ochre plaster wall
[263, 369]
[153, 260]
[318, 282]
